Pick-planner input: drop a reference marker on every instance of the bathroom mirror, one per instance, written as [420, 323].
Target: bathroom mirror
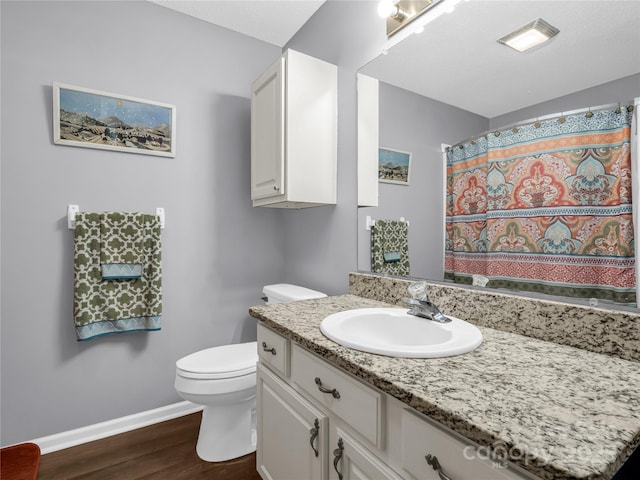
[454, 81]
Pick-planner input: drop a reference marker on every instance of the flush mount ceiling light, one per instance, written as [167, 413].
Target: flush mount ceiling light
[529, 36]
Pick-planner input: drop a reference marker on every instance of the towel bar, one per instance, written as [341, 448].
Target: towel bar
[370, 222]
[73, 209]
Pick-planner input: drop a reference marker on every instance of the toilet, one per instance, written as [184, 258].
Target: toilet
[223, 380]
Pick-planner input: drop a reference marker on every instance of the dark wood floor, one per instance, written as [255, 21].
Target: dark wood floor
[165, 450]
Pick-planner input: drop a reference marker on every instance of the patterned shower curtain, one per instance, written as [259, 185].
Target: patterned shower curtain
[545, 207]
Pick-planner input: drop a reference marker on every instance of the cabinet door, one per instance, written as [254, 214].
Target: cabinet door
[292, 434]
[267, 132]
[352, 461]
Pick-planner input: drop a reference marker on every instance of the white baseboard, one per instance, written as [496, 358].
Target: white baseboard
[71, 438]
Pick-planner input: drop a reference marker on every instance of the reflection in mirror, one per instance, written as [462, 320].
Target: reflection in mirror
[419, 125]
[470, 84]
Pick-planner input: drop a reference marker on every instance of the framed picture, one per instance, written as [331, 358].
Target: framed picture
[393, 166]
[93, 119]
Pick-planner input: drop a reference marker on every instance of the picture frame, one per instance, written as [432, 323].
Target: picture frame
[88, 118]
[393, 166]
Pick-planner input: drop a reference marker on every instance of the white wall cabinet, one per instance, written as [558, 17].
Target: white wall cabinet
[319, 423]
[294, 108]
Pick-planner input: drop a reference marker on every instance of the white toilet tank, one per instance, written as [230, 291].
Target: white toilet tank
[285, 292]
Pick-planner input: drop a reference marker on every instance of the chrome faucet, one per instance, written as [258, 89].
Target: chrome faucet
[420, 305]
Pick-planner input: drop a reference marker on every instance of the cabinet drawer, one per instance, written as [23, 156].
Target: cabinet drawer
[457, 458]
[273, 350]
[360, 406]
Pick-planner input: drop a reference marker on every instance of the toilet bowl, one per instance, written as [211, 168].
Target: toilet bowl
[223, 380]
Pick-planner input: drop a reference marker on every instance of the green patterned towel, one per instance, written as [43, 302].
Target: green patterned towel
[121, 253]
[121, 236]
[127, 303]
[389, 239]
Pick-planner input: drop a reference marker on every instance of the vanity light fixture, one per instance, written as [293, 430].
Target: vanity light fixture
[530, 35]
[400, 13]
[419, 13]
[390, 8]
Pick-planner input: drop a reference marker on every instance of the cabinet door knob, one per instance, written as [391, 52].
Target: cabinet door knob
[276, 188]
[337, 455]
[266, 349]
[335, 393]
[432, 460]
[314, 434]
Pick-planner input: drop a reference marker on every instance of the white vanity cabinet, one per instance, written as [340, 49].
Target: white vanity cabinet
[292, 433]
[294, 106]
[317, 422]
[456, 458]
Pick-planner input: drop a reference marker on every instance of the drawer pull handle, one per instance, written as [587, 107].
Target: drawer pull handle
[337, 455]
[314, 434]
[432, 460]
[335, 393]
[272, 349]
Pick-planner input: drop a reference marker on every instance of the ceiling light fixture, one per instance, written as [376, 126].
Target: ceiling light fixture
[529, 36]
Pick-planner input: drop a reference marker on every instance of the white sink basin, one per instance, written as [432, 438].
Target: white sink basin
[393, 332]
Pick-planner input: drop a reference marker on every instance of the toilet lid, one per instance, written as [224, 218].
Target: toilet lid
[221, 362]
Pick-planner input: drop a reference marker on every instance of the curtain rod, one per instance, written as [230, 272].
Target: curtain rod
[545, 117]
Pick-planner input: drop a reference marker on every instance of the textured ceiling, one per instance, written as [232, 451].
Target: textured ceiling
[457, 59]
[271, 21]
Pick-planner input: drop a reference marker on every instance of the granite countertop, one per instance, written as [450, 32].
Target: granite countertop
[557, 411]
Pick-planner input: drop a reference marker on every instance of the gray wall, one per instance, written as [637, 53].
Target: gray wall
[417, 124]
[622, 90]
[217, 250]
[321, 243]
